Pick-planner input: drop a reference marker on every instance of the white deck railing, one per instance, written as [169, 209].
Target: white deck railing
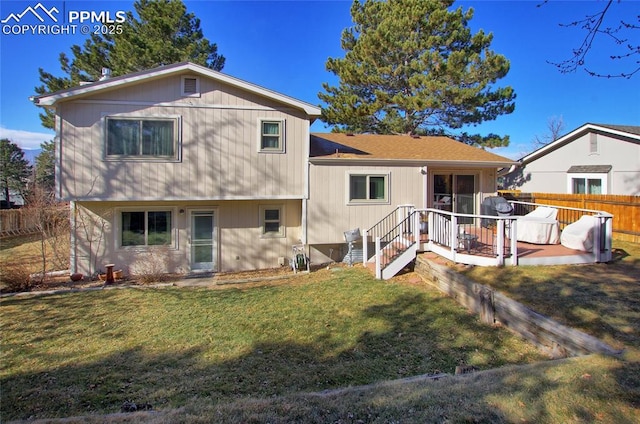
[488, 240]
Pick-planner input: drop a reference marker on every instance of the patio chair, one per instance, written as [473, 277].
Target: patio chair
[579, 235]
[539, 226]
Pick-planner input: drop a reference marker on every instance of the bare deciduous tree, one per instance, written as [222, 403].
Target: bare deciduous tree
[555, 128]
[625, 47]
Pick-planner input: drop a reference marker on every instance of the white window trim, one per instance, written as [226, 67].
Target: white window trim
[177, 156]
[282, 231]
[118, 228]
[283, 138]
[387, 188]
[602, 177]
[183, 93]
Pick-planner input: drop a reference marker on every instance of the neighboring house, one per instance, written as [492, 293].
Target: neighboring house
[15, 200]
[206, 172]
[592, 159]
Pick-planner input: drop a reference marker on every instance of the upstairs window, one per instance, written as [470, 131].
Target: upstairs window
[271, 136]
[147, 138]
[364, 188]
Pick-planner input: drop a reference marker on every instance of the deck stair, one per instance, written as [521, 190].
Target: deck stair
[396, 239]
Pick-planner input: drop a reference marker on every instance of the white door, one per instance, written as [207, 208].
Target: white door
[202, 240]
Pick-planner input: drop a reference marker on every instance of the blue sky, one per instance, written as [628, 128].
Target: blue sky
[283, 45]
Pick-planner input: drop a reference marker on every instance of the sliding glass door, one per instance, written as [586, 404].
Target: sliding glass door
[455, 192]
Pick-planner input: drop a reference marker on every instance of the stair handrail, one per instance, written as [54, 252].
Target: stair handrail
[406, 226]
[381, 228]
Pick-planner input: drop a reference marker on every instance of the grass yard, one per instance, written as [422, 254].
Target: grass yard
[600, 299]
[89, 352]
[295, 350]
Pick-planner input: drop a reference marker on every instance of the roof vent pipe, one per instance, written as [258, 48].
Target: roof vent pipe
[106, 74]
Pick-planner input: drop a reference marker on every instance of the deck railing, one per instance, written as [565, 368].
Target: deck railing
[492, 240]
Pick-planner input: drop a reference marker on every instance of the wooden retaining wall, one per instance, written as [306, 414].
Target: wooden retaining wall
[552, 337]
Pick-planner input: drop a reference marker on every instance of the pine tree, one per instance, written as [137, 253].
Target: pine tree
[413, 66]
[45, 167]
[14, 170]
[162, 33]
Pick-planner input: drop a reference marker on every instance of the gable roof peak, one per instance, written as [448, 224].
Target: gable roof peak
[51, 99]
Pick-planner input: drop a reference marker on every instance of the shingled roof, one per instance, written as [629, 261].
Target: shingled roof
[376, 147]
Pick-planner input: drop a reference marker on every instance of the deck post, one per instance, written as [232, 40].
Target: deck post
[513, 229]
[597, 238]
[365, 248]
[454, 236]
[500, 241]
[378, 259]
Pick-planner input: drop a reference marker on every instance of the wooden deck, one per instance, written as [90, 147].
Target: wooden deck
[484, 246]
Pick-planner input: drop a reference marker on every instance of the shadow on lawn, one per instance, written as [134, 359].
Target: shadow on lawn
[422, 335]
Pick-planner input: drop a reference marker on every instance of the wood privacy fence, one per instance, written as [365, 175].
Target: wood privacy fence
[15, 222]
[625, 209]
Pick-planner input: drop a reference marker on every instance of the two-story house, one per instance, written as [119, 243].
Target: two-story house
[208, 167]
[199, 171]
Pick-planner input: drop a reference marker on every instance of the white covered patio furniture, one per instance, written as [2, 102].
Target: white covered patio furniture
[539, 226]
[579, 235]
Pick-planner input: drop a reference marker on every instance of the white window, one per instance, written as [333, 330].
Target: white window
[588, 179]
[142, 228]
[190, 86]
[153, 138]
[586, 185]
[368, 188]
[272, 221]
[271, 136]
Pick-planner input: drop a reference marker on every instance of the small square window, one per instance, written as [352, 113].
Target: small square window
[368, 188]
[271, 136]
[271, 222]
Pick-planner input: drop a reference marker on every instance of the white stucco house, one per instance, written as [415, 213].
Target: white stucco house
[592, 159]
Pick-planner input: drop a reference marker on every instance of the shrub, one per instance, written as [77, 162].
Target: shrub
[151, 267]
[15, 277]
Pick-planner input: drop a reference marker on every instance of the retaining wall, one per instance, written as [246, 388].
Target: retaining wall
[493, 307]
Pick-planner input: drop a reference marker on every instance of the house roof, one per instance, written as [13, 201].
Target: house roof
[589, 169]
[424, 150]
[51, 99]
[627, 132]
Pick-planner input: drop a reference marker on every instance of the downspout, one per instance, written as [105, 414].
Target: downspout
[305, 197]
[73, 261]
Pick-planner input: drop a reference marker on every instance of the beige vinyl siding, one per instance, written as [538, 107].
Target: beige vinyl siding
[240, 245]
[329, 213]
[219, 146]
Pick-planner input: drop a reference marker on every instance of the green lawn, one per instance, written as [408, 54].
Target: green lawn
[88, 352]
[267, 353]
